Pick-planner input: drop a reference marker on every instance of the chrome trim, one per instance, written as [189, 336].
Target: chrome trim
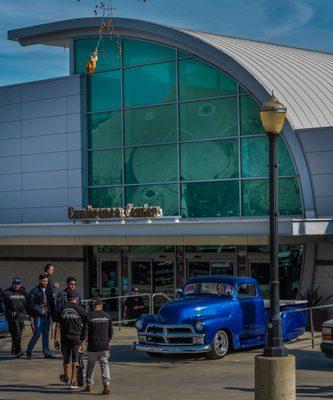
[201, 348]
[164, 335]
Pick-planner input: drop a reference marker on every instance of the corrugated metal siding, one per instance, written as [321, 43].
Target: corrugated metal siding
[301, 79]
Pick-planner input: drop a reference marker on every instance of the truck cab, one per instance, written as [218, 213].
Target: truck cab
[213, 315]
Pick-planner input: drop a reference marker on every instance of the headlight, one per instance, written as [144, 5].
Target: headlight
[199, 325]
[139, 324]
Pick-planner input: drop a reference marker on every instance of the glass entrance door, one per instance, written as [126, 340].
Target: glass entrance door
[153, 276]
[221, 267]
[109, 278]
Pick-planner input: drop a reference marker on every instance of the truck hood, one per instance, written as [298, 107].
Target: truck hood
[182, 310]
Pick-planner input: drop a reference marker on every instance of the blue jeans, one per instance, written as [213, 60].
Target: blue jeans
[42, 325]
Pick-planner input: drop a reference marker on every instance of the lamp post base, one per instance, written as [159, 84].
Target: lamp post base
[275, 378]
[280, 351]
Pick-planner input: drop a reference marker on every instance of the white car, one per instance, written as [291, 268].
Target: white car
[326, 345]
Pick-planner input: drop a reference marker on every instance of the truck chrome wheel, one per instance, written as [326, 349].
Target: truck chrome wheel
[220, 345]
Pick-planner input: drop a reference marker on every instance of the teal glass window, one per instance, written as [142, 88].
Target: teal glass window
[164, 196]
[106, 197]
[249, 116]
[214, 159]
[151, 125]
[109, 54]
[242, 90]
[208, 119]
[210, 199]
[104, 91]
[105, 167]
[104, 130]
[255, 197]
[137, 52]
[200, 80]
[151, 164]
[150, 84]
[255, 157]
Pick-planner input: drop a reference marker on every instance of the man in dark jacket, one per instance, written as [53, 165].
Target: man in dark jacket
[48, 272]
[62, 296]
[15, 299]
[100, 333]
[41, 305]
[72, 325]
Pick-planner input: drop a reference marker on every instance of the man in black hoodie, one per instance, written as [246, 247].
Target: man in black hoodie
[72, 324]
[100, 333]
[15, 310]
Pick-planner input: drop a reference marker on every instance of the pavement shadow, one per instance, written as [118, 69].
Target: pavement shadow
[311, 360]
[249, 390]
[322, 392]
[124, 354]
[33, 389]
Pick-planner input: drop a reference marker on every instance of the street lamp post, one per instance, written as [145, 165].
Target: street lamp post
[273, 114]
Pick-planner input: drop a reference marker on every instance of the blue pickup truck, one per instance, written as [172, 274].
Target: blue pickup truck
[213, 315]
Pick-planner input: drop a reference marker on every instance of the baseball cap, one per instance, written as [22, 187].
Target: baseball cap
[95, 301]
[16, 281]
[72, 294]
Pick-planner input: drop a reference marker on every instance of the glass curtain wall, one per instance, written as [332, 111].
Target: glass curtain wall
[167, 129]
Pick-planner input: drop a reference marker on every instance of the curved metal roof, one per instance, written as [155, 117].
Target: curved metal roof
[301, 79]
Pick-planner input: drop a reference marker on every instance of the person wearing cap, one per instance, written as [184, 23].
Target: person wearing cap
[15, 299]
[100, 333]
[72, 327]
[41, 305]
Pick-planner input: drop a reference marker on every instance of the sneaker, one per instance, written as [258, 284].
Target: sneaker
[88, 389]
[106, 389]
[29, 356]
[20, 354]
[72, 386]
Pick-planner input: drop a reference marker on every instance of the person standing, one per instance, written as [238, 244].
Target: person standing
[62, 296]
[100, 333]
[72, 326]
[41, 306]
[15, 299]
[134, 306]
[49, 271]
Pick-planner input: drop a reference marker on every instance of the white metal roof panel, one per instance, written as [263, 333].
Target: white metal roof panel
[301, 79]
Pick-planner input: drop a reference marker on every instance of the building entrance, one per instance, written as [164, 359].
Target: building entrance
[209, 264]
[108, 276]
[153, 275]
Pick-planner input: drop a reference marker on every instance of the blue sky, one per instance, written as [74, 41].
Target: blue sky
[300, 23]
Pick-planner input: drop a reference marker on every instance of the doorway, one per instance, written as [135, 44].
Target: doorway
[210, 265]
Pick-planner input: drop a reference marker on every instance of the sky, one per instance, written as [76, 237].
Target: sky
[299, 23]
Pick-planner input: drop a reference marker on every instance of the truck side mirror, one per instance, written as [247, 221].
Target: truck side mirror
[179, 293]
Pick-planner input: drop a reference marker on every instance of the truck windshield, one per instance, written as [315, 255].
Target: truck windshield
[215, 288]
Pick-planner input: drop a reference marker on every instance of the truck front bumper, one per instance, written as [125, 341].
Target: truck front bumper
[171, 349]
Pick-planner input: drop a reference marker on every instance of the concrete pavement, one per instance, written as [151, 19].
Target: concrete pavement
[135, 376]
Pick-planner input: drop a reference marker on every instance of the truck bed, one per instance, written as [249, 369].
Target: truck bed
[284, 303]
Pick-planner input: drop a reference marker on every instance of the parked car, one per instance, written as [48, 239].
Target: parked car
[213, 315]
[326, 345]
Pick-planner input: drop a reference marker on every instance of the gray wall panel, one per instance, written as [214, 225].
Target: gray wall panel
[10, 130]
[73, 87]
[9, 94]
[75, 196]
[10, 165]
[74, 159]
[44, 180]
[44, 162]
[44, 144]
[49, 89]
[10, 182]
[73, 104]
[75, 178]
[10, 112]
[324, 206]
[44, 108]
[74, 122]
[44, 214]
[323, 184]
[12, 215]
[10, 147]
[74, 141]
[44, 126]
[10, 199]
[317, 141]
[321, 162]
[41, 198]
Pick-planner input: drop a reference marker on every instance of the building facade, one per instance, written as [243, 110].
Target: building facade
[171, 119]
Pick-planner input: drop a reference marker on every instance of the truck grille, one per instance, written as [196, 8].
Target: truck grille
[169, 334]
